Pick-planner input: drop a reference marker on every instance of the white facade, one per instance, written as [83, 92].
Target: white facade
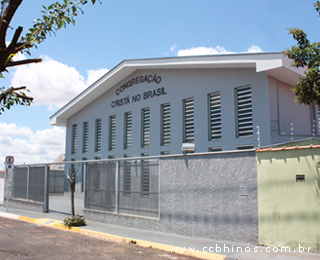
[153, 106]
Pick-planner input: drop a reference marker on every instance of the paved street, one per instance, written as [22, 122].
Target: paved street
[25, 240]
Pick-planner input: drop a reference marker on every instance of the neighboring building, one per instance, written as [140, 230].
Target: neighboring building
[288, 195]
[151, 107]
[58, 167]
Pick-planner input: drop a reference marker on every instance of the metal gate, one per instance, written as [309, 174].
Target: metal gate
[126, 187]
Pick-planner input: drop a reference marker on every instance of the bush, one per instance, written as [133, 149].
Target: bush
[75, 221]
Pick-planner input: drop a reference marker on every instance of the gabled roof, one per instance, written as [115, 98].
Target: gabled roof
[273, 64]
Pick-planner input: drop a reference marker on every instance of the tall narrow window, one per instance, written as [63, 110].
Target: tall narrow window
[244, 112]
[145, 127]
[127, 176]
[188, 109]
[165, 124]
[85, 136]
[98, 135]
[214, 104]
[145, 176]
[112, 133]
[74, 139]
[128, 130]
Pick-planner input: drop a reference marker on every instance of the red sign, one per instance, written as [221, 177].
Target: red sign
[9, 160]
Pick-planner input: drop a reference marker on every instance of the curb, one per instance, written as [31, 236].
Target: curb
[142, 243]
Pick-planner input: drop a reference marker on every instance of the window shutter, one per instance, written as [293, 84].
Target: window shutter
[146, 127]
[166, 124]
[128, 130]
[85, 136]
[112, 133]
[214, 116]
[244, 112]
[189, 120]
[98, 135]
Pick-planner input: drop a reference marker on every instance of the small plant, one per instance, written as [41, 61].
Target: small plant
[75, 221]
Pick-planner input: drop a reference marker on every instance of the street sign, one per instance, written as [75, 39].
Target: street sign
[9, 160]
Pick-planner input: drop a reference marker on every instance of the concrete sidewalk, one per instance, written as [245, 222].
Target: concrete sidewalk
[197, 247]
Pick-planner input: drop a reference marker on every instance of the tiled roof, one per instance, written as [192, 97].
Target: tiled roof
[286, 148]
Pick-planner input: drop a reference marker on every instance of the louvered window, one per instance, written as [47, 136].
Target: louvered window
[128, 130]
[145, 178]
[98, 135]
[127, 176]
[145, 127]
[244, 112]
[166, 124]
[74, 138]
[85, 136]
[215, 149]
[188, 105]
[112, 133]
[214, 101]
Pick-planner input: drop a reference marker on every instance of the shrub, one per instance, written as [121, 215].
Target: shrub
[75, 221]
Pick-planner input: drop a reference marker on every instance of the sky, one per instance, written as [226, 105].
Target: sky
[117, 30]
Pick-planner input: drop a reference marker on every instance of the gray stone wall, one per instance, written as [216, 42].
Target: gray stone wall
[27, 205]
[200, 197]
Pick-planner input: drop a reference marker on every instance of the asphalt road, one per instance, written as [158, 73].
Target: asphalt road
[26, 240]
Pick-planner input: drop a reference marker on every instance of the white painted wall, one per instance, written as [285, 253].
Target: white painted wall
[284, 110]
[197, 83]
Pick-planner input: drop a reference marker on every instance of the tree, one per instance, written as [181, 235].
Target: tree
[72, 181]
[306, 55]
[54, 17]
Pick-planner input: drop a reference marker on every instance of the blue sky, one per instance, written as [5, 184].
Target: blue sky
[122, 29]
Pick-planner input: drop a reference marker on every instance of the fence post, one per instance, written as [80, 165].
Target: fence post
[117, 187]
[28, 181]
[8, 184]
[46, 189]
[84, 168]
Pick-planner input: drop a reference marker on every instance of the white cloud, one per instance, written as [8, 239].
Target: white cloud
[174, 47]
[52, 83]
[41, 146]
[203, 51]
[94, 75]
[211, 51]
[254, 48]
[12, 130]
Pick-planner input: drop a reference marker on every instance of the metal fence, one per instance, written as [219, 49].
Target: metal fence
[28, 183]
[56, 182]
[127, 187]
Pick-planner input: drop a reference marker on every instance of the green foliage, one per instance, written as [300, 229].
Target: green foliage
[54, 17]
[75, 221]
[305, 54]
[13, 96]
